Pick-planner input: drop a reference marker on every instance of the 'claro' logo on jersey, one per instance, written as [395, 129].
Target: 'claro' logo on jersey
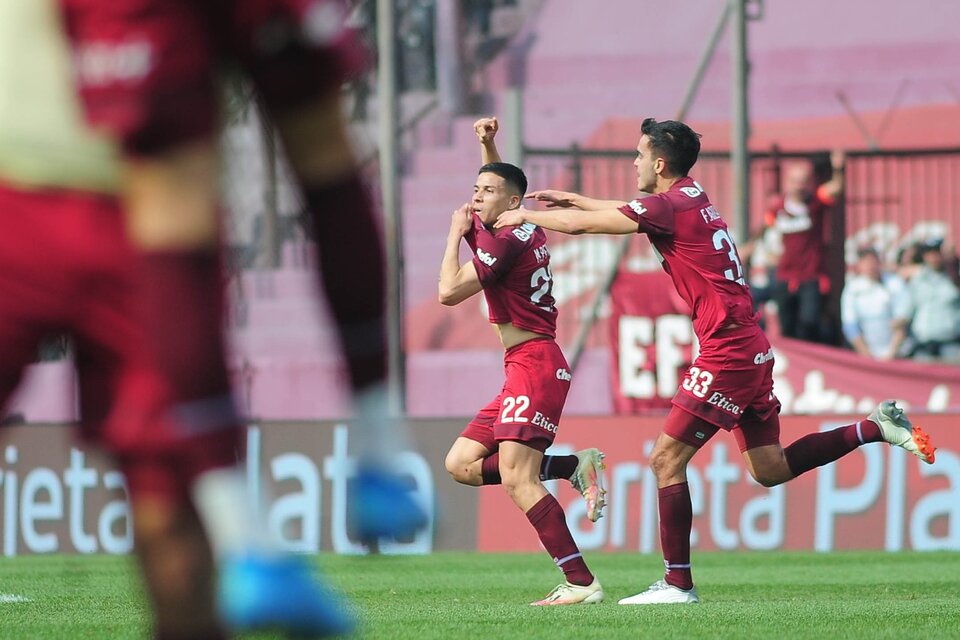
[563, 374]
[691, 192]
[485, 257]
[760, 358]
[525, 231]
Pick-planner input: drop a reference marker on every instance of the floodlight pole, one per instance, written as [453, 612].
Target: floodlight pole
[580, 342]
[740, 129]
[389, 185]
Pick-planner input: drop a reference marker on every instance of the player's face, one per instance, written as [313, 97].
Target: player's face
[799, 181]
[933, 259]
[647, 165]
[869, 266]
[491, 197]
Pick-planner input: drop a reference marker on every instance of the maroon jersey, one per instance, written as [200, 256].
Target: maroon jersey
[696, 250]
[514, 268]
[801, 225]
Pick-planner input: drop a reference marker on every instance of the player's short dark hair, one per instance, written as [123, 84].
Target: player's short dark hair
[511, 174]
[677, 143]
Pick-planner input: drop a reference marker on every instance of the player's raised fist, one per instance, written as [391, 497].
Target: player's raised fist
[552, 198]
[486, 128]
[838, 158]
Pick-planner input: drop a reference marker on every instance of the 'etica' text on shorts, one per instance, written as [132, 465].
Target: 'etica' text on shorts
[542, 421]
[721, 401]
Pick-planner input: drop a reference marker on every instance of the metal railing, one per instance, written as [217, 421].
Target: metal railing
[892, 198]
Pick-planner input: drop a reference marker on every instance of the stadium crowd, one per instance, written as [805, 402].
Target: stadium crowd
[895, 302]
[909, 308]
[898, 303]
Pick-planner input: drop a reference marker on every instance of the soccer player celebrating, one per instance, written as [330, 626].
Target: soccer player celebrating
[504, 443]
[730, 385]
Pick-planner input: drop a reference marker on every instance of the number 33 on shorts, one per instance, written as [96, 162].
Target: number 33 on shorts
[697, 382]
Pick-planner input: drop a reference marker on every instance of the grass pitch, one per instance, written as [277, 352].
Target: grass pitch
[447, 595]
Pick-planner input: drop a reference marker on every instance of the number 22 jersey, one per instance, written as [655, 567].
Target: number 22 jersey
[694, 246]
[514, 268]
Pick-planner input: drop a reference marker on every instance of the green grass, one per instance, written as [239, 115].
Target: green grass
[472, 596]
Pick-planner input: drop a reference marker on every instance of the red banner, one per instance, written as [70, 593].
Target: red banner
[878, 497]
[653, 344]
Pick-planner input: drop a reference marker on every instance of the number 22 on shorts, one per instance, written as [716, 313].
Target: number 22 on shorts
[513, 409]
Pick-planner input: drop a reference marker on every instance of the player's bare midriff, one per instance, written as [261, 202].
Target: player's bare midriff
[511, 336]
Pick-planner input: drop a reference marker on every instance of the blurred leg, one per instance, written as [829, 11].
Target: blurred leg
[177, 567]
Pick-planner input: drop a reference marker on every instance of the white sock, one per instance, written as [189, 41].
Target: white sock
[380, 435]
[223, 501]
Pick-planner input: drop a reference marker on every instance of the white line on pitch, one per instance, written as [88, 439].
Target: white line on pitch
[12, 598]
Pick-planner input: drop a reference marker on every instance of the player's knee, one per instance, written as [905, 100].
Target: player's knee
[770, 477]
[515, 486]
[516, 479]
[665, 464]
[457, 468]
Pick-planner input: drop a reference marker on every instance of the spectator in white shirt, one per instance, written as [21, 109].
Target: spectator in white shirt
[935, 301]
[874, 309]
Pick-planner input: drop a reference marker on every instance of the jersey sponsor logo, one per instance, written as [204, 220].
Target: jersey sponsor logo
[563, 374]
[638, 208]
[721, 401]
[541, 253]
[101, 63]
[790, 223]
[525, 231]
[691, 192]
[545, 423]
[710, 214]
[760, 358]
[485, 257]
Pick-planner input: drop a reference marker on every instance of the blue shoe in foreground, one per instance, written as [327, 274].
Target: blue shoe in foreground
[382, 506]
[281, 593]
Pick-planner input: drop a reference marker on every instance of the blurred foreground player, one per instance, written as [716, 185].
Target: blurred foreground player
[730, 385]
[147, 72]
[504, 444]
[66, 265]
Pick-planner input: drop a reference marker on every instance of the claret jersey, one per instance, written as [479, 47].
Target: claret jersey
[514, 268]
[696, 250]
[801, 225]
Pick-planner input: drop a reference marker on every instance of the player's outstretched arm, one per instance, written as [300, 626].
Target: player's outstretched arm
[832, 189]
[486, 130]
[571, 221]
[567, 199]
[457, 282]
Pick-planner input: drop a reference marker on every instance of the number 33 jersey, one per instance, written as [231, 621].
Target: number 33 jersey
[514, 268]
[696, 250]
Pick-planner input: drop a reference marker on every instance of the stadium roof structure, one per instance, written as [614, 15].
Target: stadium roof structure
[585, 68]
